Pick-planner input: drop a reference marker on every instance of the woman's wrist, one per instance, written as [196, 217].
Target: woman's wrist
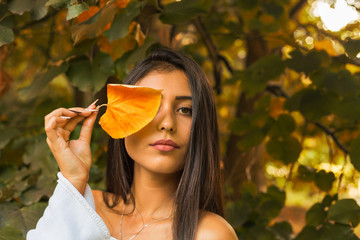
[78, 182]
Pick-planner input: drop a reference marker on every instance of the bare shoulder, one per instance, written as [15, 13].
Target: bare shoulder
[100, 203]
[214, 227]
[98, 197]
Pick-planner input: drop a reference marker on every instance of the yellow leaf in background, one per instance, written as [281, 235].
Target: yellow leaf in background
[328, 46]
[104, 45]
[132, 26]
[139, 35]
[352, 68]
[277, 107]
[129, 109]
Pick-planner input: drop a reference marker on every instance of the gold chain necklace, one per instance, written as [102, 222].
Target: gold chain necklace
[144, 225]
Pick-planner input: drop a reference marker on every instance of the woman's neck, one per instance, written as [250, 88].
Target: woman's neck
[153, 192]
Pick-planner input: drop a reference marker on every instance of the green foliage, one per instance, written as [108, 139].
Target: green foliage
[255, 78]
[306, 63]
[273, 8]
[345, 211]
[337, 231]
[94, 26]
[90, 75]
[252, 214]
[329, 220]
[120, 26]
[352, 47]
[76, 9]
[308, 232]
[6, 35]
[355, 153]
[290, 154]
[282, 230]
[280, 94]
[312, 103]
[35, 7]
[183, 11]
[10, 233]
[23, 218]
[316, 215]
[324, 180]
[306, 174]
[41, 80]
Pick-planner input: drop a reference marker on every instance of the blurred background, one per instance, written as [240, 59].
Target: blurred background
[286, 74]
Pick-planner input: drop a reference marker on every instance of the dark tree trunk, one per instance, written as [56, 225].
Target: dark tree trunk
[245, 166]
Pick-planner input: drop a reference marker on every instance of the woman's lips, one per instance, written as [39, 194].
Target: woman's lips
[164, 148]
[165, 145]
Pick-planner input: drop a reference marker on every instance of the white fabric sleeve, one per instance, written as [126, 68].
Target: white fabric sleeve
[70, 216]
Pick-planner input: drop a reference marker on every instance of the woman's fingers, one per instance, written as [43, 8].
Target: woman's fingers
[81, 114]
[72, 123]
[59, 112]
[61, 122]
[51, 128]
[87, 127]
[54, 122]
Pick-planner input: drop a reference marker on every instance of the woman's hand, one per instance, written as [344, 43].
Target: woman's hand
[73, 156]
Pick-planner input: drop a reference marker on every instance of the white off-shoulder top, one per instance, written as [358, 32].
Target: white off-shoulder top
[70, 216]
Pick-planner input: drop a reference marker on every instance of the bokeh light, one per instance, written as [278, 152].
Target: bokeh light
[336, 16]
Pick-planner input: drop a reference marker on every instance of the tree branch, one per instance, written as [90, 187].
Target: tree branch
[297, 8]
[212, 50]
[226, 62]
[332, 135]
[342, 172]
[344, 60]
[276, 90]
[323, 32]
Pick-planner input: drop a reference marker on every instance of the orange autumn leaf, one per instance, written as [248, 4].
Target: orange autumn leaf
[122, 3]
[129, 109]
[88, 14]
[118, 3]
[102, 3]
[118, 47]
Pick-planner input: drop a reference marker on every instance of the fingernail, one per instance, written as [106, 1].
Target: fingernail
[92, 103]
[74, 111]
[65, 117]
[91, 110]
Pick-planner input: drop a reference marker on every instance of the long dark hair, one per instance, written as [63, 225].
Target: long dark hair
[200, 184]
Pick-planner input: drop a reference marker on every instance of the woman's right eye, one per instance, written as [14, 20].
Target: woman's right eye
[185, 110]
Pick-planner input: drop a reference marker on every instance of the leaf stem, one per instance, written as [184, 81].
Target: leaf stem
[102, 105]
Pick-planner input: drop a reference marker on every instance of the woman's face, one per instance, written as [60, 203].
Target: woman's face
[162, 145]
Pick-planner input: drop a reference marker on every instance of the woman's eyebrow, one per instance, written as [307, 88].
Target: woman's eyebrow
[183, 98]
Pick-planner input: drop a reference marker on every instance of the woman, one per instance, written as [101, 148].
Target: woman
[163, 182]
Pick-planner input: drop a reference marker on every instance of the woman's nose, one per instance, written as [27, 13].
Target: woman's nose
[166, 119]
